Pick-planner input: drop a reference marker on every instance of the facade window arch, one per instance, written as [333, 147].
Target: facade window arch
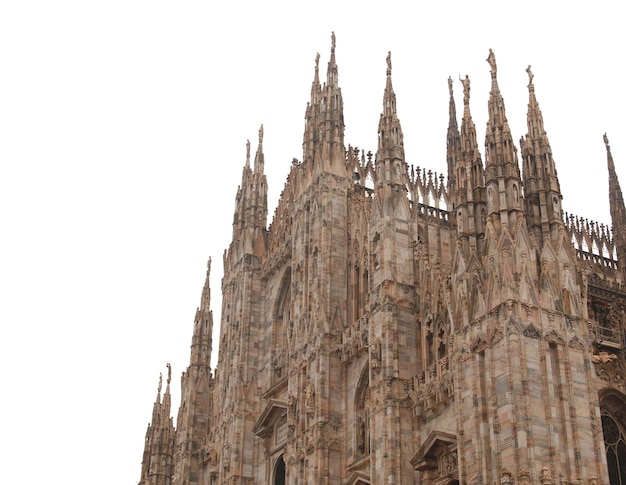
[282, 325]
[615, 446]
[613, 415]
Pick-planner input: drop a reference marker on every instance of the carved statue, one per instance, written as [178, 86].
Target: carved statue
[361, 436]
[545, 478]
[450, 85]
[389, 62]
[492, 62]
[309, 397]
[603, 357]
[466, 88]
[530, 75]
[333, 41]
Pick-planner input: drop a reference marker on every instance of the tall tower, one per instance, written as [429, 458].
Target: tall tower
[241, 331]
[196, 404]
[315, 299]
[392, 329]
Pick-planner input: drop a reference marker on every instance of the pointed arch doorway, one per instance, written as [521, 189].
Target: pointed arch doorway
[279, 472]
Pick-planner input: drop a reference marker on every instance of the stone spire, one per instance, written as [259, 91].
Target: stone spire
[259, 159]
[390, 163]
[311, 116]
[251, 203]
[542, 192]
[196, 383]
[158, 456]
[332, 74]
[201, 342]
[331, 124]
[470, 181]
[453, 140]
[618, 210]
[323, 147]
[502, 175]
[471, 170]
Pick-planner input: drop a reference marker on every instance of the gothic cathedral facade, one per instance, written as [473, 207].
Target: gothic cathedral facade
[392, 326]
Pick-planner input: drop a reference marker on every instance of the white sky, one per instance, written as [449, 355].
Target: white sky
[123, 127]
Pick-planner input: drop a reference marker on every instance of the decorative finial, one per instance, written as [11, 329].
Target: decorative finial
[169, 373]
[317, 61]
[333, 42]
[606, 142]
[530, 75]
[450, 85]
[248, 149]
[466, 88]
[261, 135]
[492, 62]
[208, 266]
[389, 63]
[160, 382]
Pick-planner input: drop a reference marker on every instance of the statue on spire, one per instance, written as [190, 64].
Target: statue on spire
[492, 62]
[389, 63]
[248, 149]
[606, 143]
[333, 42]
[450, 85]
[466, 88]
[317, 61]
[261, 135]
[530, 75]
[169, 373]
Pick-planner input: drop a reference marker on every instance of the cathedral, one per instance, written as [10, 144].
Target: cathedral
[395, 326]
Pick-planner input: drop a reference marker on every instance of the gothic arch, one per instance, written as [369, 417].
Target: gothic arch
[361, 414]
[281, 325]
[279, 472]
[613, 415]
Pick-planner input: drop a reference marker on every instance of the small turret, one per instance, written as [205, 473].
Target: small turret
[157, 466]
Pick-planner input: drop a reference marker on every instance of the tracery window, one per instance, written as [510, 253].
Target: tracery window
[615, 445]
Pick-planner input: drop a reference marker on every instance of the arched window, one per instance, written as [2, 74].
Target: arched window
[615, 445]
[279, 471]
[613, 406]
